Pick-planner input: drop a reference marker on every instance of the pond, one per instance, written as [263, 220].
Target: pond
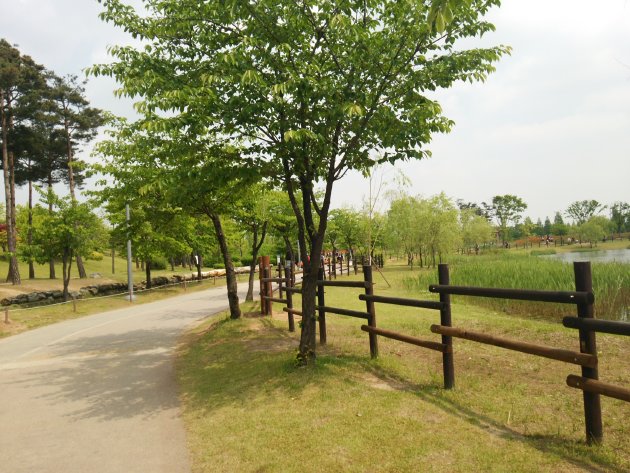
[601, 256]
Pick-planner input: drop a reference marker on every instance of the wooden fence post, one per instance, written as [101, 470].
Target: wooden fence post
[268, 291]
[321, 313]
[288, 270]
[445, 320]
[280, 283]
[369, 290]
[261, 285]
[329, 269]
[588, 344]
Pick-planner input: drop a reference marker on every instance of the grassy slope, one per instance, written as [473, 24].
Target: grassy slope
[248, 408]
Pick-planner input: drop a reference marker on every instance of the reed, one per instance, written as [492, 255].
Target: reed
[611, 283]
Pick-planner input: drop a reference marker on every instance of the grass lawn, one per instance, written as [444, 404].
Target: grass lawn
[248, 407]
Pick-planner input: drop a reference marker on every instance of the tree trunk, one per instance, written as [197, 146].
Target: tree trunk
[172, 263]
[113, 260]
[51, 262]
[29, 237]
[289, 249]
[309, 321]
[147, 271]
[13, 274]
[67, 268]
[256, 245]
[230, 275]
[81, 267]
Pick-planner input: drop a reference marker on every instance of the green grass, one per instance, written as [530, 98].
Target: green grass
[248, 407]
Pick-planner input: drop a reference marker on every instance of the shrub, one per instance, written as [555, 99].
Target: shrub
[159, 263]
[95, 256]
[218, 266]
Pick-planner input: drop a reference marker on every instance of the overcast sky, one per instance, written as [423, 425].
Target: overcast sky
[551, 126]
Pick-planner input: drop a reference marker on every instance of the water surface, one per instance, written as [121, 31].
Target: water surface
[601, 256]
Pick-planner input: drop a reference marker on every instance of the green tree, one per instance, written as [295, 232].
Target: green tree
[592, 230]
[78, 122]
[72, 229]
[21, 84]
[582, 210]
[186, 172]
[252, 214]
[620, 216]
[283, 224]
[402, 226]
[476, 230]
[311, 87]
[348, 221]
[507, 209]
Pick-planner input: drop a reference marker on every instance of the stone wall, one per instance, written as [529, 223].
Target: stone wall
[108, 289]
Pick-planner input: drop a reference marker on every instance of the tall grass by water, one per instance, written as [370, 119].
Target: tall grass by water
[611, 283]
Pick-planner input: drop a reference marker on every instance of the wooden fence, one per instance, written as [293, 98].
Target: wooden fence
[582, 298]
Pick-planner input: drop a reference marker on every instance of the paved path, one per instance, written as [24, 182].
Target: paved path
[98, 394]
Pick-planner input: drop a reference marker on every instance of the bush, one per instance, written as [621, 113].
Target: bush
[246, 261]
[95, 256]
[236, 263]
[159, 263]
[218, 266]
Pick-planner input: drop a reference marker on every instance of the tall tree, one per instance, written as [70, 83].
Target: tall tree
[21, 84]
[79, 124]
[187, 172]
[582, 210]
[348, 223]
[507, 209]
[311, 87]
[620, 216]
[30, 147]
[252, 214]
[476, 230]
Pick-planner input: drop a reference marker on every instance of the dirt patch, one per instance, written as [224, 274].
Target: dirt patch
[11, 328]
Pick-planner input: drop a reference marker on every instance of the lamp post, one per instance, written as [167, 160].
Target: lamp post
[129, 273]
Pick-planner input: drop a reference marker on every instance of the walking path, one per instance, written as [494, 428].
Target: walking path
[98, 394]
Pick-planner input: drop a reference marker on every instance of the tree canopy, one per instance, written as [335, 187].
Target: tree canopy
[310, 89]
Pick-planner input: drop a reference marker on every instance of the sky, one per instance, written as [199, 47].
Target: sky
[551, 125]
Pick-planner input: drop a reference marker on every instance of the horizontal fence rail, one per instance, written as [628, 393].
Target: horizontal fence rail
[278, 280]
[561, 297]
[292, 311]
[605, 326]
[595, 386]
[359, 284]
[348, 312]
[559, 354]
[274, 299]
[441, 347]
[436, 305]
